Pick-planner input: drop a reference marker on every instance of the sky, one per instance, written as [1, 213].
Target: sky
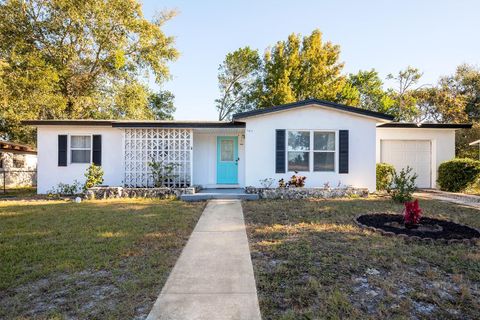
[434, 36]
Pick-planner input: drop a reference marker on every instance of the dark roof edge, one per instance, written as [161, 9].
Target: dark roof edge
[177, 125]
[426, 125]
[67, 122]
[329, 104]
[135, 124]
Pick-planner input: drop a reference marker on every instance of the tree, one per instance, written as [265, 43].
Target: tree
[237, 76]
[370, 90]
[465, 85]
[292, 70]
[77, 59]
[303, 68]
[439, 104]
[161, 105]
[404, 108]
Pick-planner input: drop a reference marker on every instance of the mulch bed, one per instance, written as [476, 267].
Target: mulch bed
[430, 228]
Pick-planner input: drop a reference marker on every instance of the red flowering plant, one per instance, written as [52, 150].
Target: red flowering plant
[412, 213]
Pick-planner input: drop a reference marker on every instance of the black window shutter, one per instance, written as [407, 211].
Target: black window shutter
[97, 150]
[280, 151]
[62, 150]
[343, 151]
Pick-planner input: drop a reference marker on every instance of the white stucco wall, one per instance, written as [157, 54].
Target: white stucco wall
[260, 145]
[50, 174]
[442, 143]
[205, 157]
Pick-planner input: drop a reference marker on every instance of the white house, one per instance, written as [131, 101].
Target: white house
[326, 142]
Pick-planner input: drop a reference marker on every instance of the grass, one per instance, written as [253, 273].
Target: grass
[97, 259]
[312, 262]
[22, 192]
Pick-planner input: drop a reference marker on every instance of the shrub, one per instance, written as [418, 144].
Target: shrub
[66, 189]
[403, 185]
[162, 172]
[385, 173]
[94, 176]
[457, 174]
[267, 182]
[297, 181]
[412, 213]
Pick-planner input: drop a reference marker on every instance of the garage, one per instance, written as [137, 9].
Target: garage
[417, 154]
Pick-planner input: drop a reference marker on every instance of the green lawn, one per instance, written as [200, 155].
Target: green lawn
[312, 262]
[97, 259]
[24, 192]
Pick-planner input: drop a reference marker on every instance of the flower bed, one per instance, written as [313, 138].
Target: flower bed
[428, 230]
[124, 192]
[305, 193]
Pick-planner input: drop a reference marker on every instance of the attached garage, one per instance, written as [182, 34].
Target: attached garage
[422, 147]
[416, 154]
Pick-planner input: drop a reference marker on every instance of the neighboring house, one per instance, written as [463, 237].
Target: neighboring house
[327, 142]
[18, 165]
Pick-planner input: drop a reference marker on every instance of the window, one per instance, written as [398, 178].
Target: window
[226, 150]
[317, 147]
[323, 151]
[81, 149]
[298, 151]
[18, 160]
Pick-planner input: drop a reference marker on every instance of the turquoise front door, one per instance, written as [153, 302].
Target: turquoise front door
[227, 160]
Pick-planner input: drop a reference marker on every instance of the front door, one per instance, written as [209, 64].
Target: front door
[227, 160]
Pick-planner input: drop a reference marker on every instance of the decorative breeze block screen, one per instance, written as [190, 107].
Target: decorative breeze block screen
[153, 145]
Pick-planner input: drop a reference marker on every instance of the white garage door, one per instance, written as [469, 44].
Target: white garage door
[413, 153]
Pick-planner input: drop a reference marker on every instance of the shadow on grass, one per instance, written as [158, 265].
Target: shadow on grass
[136, 240]
[309, 255]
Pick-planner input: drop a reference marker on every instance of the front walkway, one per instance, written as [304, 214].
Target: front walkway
[458, 198]
[213, 278]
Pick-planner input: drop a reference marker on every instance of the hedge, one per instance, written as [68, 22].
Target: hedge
[385, 173]
[458, 174]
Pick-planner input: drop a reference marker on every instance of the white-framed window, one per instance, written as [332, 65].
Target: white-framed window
[80, 148]
[311, 150]
[323, 151]
[298, 150]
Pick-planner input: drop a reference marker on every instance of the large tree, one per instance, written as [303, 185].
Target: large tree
[301, 68]
[403, 93]
[295, 69]
[78, 59]
[237, 79]
[372, 96]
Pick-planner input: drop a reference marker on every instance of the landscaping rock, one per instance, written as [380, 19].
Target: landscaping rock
[305, 193]
[124, 192]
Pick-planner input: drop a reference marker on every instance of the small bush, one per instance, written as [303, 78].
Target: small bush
[458, 174]
[66, 189]
[403, 185]
[385, 173]
[94, 176]
[162, 172]
[412, 213]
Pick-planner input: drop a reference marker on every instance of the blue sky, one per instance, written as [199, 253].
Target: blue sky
[434, 36]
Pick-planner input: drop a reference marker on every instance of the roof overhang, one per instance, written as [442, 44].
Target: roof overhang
[314, 102]
[137, 124]
[426, 125]
[10, 147]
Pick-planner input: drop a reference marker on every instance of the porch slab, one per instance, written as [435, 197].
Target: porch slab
[209, 194]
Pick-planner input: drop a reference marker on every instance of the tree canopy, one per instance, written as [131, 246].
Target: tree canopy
[79, 59]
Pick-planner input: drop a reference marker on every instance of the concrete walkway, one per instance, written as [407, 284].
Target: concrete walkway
[213, 278]
[458, 198]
